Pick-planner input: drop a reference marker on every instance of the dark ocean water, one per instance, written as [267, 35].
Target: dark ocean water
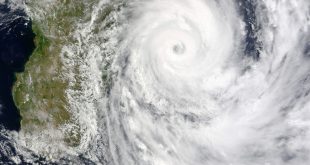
[16, 45]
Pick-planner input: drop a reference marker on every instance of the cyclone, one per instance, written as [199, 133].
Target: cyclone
[186, 92]
[173, 82]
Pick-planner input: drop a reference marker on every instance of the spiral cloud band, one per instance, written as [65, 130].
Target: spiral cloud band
[186, 92]
[170, 82]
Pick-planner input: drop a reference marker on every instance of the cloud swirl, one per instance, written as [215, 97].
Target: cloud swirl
[185, 91]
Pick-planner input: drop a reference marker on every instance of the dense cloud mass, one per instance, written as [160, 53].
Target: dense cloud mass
[193, 82]
[188, 89]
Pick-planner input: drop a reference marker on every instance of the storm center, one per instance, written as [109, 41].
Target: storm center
[179, 48]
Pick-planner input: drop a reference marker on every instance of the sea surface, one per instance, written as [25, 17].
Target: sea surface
[167, 82]
[16, 45]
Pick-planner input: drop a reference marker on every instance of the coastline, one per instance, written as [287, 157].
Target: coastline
[16, 47]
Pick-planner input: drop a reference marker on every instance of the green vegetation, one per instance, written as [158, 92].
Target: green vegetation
[40, 87]
[39, 91]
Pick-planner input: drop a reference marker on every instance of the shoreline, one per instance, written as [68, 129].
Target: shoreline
[16, 47]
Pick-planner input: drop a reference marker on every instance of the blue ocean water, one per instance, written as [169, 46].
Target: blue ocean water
[16, 45]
